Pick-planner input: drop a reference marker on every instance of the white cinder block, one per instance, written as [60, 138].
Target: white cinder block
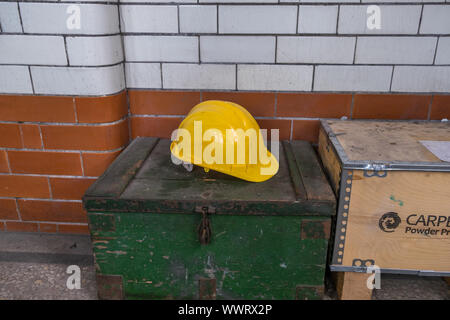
[156, 1]
[400, 1]
[320, 1]
[161, 48]
[352, 78]
[92, 0]
[94, 51]
[142, 18]
[238, 1]
[421, 79]
[15, 79]
[78, 80]
[56, 18]
[443, 51]
[9, 17]
[257, 19]
[198, 19]
[395, 50]
[315, 49]
[199, 76]
[395, 19]
[275, 77]
[25, 49]
[435, 19]
[237, 49]
[317, 19]
[143, 75]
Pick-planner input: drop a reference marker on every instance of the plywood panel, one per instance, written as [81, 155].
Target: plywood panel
[352, 286]
[421, 200]
[388, 140]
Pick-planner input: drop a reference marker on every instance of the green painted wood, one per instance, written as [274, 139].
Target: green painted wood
[321, 208]
[269, 239]
[296, 178]
[122, 170]
[316, 185]
[161, 179]
[159, 256]
[161, 186]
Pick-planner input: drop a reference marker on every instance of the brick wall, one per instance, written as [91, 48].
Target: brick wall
[71, 98]
[63, 111]
[52, 149]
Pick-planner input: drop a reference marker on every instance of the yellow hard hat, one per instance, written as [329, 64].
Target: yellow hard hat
[223, 136]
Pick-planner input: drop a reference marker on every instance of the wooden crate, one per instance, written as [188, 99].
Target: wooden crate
[269, 240]
[394, 199]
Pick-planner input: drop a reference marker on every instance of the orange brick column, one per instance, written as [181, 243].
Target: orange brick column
[51, 149]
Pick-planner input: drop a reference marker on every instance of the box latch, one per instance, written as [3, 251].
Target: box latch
[204, 229]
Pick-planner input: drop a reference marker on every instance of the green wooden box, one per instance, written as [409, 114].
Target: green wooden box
[269, 240]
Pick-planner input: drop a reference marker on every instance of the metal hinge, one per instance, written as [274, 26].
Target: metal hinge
[375, 170]
[361, 265]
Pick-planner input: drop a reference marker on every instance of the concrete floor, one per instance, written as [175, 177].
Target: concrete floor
[33, 266]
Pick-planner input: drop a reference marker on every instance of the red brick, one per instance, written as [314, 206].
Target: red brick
[69, 188]
[21, 226]
[284, 127]
[57, 211]
[391, 106]
[31, 136]
[24, 186]
[154, 126]
[259, 104]
[48, 227]
[10, 135]
[314, 105]
[163, 127]
[104, 137]
[95, 163]
[440, 108]
[44, 162]
[36, 108]
[306, 130]
[8, 210]
[101, 109]
[3, 162]
[73, 228]
[162, 102]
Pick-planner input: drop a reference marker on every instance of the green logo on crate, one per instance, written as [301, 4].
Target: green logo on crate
[389, 222]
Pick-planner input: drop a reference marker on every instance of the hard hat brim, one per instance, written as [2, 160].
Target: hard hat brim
[250, 173]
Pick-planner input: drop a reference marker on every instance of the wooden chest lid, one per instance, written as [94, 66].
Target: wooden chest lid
[144, 179]
[396, 144]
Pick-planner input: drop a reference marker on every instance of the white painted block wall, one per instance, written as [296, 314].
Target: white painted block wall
[256, 45]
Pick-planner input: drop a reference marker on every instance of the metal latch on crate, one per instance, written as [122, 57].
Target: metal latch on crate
[204, 229]
[361, 265]
[375, 170]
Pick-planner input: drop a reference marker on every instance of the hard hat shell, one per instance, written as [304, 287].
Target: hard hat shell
[224, 117]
